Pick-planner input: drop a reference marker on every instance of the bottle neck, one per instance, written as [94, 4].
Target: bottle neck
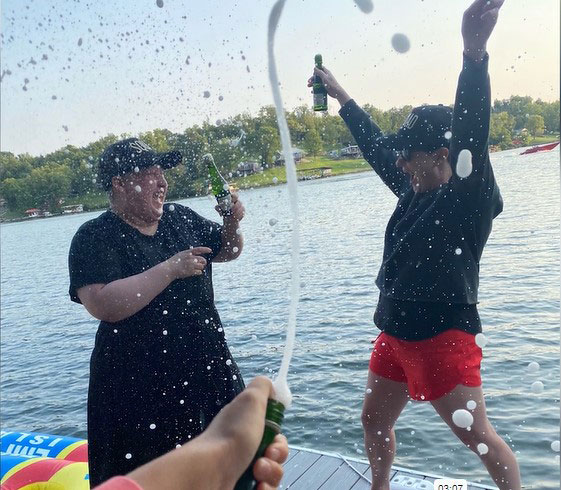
[218, 183]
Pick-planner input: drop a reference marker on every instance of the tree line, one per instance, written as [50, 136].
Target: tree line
[68, 175]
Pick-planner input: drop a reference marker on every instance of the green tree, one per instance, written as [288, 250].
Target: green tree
[299, 122]
[16, 192]
[396, 116]
[550, 116]
[333, 132]
[82, 179]
[312, 143]
[12, 166]
[380, 117]
[262, 140]
[49, 185]
[501, 128]
[520, 107]
[535, 125]
[157, 139]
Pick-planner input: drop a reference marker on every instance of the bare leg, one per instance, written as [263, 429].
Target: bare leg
[499, 460]
[380, 411]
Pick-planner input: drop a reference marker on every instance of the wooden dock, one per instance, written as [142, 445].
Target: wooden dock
[307, 469]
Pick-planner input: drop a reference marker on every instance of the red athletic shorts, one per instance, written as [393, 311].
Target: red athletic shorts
[432, 367]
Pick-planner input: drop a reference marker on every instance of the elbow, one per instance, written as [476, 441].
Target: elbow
[103, 315]
[101, 312]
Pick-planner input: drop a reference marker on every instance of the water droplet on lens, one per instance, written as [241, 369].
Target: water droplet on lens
[400, 42]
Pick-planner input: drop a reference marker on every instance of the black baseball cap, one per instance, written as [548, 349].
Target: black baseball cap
[426, 128]
[131, 154]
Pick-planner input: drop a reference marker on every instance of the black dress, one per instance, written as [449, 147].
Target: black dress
[159, 377]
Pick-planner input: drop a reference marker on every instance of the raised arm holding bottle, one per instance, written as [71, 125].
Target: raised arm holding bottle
[429, 276]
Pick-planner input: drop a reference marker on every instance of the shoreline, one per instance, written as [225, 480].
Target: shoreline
[266, 179]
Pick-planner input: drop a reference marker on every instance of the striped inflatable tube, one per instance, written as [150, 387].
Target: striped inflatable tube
[33, 461]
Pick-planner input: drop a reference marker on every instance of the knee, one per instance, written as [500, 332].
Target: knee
[474, 438]
[372, 421]
[367, 419]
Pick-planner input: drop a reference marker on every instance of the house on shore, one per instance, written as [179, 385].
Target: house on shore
[352, 151]
[248, 168]
[73, 208]
[33, 213]
[297, 154]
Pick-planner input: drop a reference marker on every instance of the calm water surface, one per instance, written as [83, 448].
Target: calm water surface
[47, 340]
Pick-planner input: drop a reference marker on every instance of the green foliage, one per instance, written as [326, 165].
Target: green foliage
[535, 125]
[500, 129]
[69, 173]
[16, 193]
[49, 185]
[312, 143]
[522, 108]
[12, 166]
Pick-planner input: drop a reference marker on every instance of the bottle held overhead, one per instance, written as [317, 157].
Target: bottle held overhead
[318, 88]
[219, 186]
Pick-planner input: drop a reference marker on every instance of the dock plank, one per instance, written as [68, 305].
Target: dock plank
[317, 473]
[363, 484]
[307, 469]
[291, 453]
[344, 477]
[297, 466]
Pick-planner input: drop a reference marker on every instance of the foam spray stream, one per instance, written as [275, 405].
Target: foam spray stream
[283, 397]
[282, 391]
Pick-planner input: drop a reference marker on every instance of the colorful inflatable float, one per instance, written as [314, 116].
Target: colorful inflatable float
[33, 461]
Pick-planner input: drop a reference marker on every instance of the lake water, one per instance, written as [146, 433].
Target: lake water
[47, 340]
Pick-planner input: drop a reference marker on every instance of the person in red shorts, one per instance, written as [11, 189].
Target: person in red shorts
[438, 166]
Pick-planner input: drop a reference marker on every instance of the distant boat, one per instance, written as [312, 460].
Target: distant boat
[535, 149]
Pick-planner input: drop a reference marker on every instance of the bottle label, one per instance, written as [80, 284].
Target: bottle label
[320, 102]
[225, 203]
[320, 99]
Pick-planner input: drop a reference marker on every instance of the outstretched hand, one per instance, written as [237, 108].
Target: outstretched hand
[240, 425]
[477, 25]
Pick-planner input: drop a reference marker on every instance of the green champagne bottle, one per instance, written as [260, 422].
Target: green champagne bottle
[273, 422]
[219, 186]
[320, 92]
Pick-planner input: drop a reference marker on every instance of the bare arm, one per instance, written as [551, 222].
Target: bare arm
[123, 298]
[365, 132]
[193, 467]
[232, 239]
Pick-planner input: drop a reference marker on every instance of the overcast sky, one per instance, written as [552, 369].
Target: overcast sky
[76, 70]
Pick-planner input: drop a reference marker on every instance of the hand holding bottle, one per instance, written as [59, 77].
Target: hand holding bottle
[241, 423]
[333, 87]
[318, 88]
[237, 209]
[215, 459]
